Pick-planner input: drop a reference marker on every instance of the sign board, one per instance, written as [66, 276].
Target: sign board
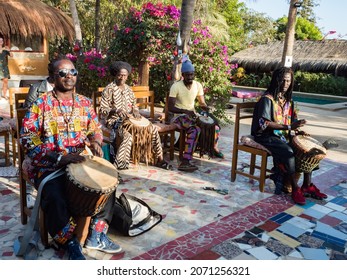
[289, 61]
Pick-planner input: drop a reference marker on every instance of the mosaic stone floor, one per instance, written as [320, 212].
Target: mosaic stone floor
[201, 224]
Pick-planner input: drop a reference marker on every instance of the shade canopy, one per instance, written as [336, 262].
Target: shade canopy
[326, 56]
[33, 18]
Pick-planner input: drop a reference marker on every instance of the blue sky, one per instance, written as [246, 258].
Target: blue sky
[330, 14]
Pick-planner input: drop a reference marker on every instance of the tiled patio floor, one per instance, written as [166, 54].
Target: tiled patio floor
[200, 224]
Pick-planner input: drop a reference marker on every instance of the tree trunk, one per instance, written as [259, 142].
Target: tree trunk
[287, 57]
[144, 73]
[97, 25]
[76, 23]
[186, 21]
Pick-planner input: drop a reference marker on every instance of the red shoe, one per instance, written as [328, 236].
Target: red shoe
[313, 191]
[298, 197]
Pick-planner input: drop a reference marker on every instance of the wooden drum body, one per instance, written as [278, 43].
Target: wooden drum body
[206, 139]
[91, 183]
[308, 153]
[141, 131]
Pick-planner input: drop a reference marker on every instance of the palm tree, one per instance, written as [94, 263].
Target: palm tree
[183, 37]
[186, 21]
[287, 56]
[76, 23]
[97, 25]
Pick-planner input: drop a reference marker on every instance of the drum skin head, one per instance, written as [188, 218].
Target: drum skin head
[139, 122]
[307, 143]
[206, 119]
[95, 173]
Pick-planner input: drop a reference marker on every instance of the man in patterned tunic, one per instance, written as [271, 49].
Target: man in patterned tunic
[56, 128]
[117, 103]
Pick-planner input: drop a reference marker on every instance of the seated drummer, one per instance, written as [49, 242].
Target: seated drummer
[118, 102]
[274, 117]
[55, 130]
[182, 103]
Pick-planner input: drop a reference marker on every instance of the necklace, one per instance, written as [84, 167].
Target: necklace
[281, 100]
[66, 113]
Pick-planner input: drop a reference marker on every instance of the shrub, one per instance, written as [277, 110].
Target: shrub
[320, 83]
[92, 71]
[149, 35]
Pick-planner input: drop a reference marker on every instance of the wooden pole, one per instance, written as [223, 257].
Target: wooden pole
[287, 56]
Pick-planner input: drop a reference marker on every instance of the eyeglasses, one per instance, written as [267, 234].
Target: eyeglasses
[63, 72]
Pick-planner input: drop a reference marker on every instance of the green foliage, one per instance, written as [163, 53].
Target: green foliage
[259, 28]
[149, 34]
[234, 13]
[93, 71]
[306, 10]
[304, 29]
[320, 83]
[86, 12]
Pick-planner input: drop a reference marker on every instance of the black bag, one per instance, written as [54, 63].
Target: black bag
[132, 216]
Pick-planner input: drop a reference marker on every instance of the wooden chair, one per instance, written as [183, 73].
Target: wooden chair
[248, 145]
[145, 98]
[181, 132]
[24, 180]
[5, 131]
[12, 92]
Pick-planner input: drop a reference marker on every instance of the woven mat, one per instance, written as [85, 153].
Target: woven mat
[9, 171]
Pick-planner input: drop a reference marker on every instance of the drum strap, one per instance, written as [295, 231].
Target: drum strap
[31, 234]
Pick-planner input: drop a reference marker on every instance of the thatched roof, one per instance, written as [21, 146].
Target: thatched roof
[33, 17]
[327, 56]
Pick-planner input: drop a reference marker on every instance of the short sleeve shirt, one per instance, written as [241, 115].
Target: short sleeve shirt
[185, 98]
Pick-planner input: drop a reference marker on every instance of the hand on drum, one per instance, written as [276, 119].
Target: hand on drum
[205, 108]
[191, 114]
[71, 158]
[136, 114]
[300, 132]
[96, 149]
[122, 114]
[298, 123]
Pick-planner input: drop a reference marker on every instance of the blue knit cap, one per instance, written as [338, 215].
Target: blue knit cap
[187, 66]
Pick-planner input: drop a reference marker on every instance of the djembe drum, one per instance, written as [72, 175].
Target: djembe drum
[141, 131]
[308, 153]
[206, 139]
[91, 183]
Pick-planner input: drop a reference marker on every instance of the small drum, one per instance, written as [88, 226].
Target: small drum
[308, 153]
[141, 131]
[91, 183]
[206, 139]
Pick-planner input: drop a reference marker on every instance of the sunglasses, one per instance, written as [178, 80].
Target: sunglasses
[64, 72]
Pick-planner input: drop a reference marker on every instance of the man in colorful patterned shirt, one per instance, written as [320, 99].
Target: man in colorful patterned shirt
[56, 128]
[274, 117]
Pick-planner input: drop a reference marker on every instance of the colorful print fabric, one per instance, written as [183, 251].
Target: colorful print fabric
[59, 126]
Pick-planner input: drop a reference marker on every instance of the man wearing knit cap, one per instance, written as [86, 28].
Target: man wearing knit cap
[182, 103]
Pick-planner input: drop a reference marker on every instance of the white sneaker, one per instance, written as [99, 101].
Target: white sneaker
[30, 200]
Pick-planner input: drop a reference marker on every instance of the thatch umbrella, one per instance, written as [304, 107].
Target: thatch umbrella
[329, 56]
[33, 18]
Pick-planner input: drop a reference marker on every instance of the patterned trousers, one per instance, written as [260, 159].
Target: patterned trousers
[192, 134]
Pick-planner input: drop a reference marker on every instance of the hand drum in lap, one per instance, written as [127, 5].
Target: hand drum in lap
[141, 131]
[91, 183]
[206, 139]
[308, 153]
